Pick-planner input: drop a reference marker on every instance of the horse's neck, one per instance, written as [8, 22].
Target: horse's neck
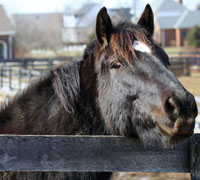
[28, 111]
[39, 110]
[89, 117]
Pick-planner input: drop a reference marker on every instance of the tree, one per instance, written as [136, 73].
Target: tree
[41, 33]
[91, 37]
[198, 7]
[193, 37]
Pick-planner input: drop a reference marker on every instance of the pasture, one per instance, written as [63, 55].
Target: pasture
[151, 176]
[192, 83]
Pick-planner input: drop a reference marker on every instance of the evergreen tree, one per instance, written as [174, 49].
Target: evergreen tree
[193, 37]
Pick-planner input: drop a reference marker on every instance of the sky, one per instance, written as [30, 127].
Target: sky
[38, 6]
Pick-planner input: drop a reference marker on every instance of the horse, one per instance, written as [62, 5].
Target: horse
[122, 86]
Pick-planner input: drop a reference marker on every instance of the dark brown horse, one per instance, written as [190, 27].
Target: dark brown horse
[121, 87]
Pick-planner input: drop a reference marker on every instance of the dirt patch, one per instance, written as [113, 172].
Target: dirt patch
[191, 83]
[151, 176]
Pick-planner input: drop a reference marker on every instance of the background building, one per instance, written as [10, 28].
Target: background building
[172, 22]
[6, 35]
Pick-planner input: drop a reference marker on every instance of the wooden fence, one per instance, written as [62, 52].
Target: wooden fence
[95, 154]
[13, 71]
[35, 64]
[13, 78]
[180, 67]
[182, 64]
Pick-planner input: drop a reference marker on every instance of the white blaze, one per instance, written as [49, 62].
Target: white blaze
[139, 46]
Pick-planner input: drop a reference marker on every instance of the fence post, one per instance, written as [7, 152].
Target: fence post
[20, 78]
[186, 67]
[25, 63]
[50, 63]
[195, 157]
[2, 73]
[30, 74]
[32, 64]
[10, 78]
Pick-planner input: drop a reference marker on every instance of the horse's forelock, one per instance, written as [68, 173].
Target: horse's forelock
[121, 42]
[123, 38]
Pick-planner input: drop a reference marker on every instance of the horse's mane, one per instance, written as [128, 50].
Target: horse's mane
[66, 84]
[62, 81]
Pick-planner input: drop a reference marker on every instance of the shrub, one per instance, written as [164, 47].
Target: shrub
[193, 37]
[91, 36]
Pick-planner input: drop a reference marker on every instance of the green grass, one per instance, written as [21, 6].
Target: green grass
[54, 55]
[174, 50]
[177, 50]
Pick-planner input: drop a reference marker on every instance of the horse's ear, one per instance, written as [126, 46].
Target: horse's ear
[103, 27]
[146, 20]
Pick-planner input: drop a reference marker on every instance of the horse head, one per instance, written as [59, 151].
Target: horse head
[136, 93]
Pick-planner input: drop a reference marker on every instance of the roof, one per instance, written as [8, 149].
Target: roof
[166, 22]
[46, 25]
[86, 15]
[6, 26]
[123, 13]
[171, 14]
[85, 9]
[87, 18]
[160, 6]
[168, 12]
[188, 19]
[41, 20]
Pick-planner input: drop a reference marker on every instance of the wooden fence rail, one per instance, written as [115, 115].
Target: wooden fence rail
[96, 153]
[34, 63]
[13, 78]
[180, 64]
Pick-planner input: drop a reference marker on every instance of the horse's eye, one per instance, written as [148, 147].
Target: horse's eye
[115, 65]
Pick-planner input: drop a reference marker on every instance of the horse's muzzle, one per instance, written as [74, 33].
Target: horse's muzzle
[182, 113]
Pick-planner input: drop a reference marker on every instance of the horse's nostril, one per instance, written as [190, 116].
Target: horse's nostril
[171, 109]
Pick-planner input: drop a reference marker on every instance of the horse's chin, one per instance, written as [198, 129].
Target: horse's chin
[174, 135]
[161, 136]
[152, 138]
